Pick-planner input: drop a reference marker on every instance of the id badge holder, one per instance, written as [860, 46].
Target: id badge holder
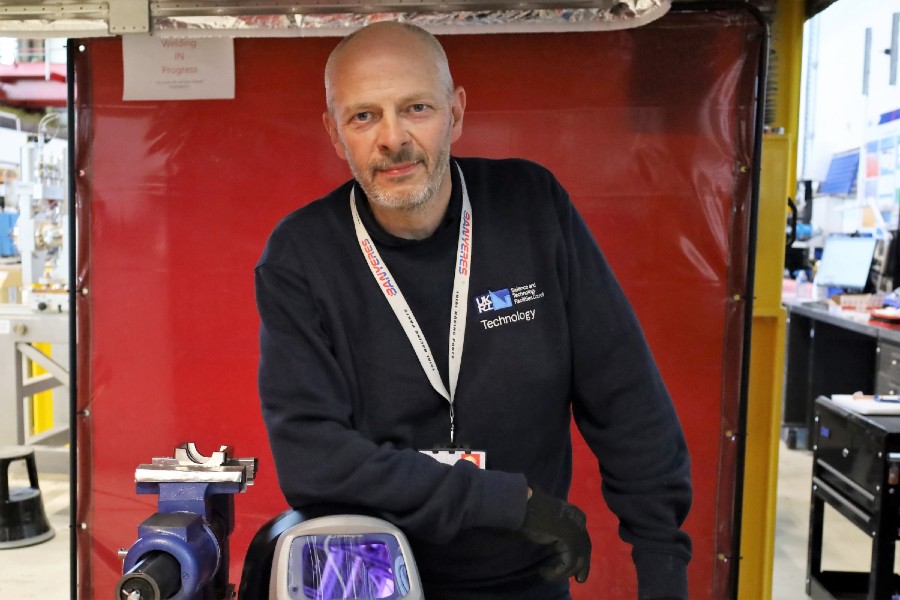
[451, 454]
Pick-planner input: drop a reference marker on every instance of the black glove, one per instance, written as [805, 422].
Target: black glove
[549, 520]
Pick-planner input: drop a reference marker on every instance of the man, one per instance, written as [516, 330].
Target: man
[437, 303]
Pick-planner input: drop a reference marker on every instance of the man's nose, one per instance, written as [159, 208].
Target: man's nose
[392, 133]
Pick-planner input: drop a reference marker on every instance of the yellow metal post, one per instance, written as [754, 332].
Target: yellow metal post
[777, 183]
[42, 402]
[766, 377]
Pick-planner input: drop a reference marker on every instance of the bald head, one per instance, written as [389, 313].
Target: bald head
[387, 36]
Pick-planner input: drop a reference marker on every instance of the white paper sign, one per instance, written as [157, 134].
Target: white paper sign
[5, 326]
[160, 68]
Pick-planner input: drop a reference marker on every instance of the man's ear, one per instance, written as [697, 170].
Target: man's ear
[331, 128]
[457, 110]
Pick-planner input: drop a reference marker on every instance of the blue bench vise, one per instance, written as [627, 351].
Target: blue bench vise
[182, 550]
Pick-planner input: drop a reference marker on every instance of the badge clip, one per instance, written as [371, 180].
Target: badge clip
[453, 453]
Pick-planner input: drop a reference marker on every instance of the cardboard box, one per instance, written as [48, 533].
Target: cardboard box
[862, 303]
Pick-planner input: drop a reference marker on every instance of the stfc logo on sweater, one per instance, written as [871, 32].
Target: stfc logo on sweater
[507, 298]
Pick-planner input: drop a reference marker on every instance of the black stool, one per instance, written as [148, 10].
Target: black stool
[22, 518]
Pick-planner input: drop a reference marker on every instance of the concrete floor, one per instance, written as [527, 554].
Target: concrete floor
[41, 572]
[845, 547]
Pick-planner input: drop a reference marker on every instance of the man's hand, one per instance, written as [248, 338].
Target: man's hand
[549, 520]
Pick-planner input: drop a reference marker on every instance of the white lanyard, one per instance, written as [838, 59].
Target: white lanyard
[459, 307]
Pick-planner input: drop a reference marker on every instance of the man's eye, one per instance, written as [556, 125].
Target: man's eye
[362, 117]
[418, 108]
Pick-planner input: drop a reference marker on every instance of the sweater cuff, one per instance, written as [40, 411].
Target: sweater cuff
[503, 501]
[661, 575]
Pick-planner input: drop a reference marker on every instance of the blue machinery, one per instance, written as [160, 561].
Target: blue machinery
[182, 550]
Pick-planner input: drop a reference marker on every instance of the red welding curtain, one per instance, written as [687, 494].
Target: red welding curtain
[650, 130]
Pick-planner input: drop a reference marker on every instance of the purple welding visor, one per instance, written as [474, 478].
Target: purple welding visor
[367, 566]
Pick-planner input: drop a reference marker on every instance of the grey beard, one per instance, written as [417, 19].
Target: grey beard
[414, 201]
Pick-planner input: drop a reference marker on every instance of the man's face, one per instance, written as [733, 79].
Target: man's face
[393, 121]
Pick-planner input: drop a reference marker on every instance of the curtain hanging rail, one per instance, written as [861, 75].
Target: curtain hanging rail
[312, 17]
[168, 8]
[54, 11]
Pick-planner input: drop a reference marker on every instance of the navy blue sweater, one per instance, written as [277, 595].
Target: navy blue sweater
[347, 404]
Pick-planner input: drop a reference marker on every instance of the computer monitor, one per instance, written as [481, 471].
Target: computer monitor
[846, 262]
